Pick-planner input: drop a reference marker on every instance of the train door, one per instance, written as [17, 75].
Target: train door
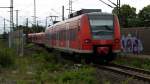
[67, 35]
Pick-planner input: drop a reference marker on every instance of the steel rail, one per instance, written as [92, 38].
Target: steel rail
[136, 73]
[132, 68]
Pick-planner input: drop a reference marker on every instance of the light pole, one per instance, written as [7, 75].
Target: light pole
[70, 6]
[63, 13]
[34, 18]
[46, 21]
[4, 27]
[17, 18]
[11, 24]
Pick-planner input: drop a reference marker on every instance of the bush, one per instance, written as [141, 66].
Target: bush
[6, 57]
[29, 45]
[84, 75]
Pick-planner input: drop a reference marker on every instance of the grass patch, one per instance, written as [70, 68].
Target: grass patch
[127, 80]
[83, 75]
[50, 70]
[6, 58]
[107, 82]
[133, 62]
[30, 45]
[38, 66]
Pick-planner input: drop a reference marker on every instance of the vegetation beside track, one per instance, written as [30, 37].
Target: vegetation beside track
[38, 66]
[6, 56]
[133, 62]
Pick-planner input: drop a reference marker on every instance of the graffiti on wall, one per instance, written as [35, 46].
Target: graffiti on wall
[131, 44]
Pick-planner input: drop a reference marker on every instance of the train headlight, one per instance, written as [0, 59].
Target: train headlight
[87, 41]
[117, 41]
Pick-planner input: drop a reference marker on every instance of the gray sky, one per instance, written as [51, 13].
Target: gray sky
[47, 7]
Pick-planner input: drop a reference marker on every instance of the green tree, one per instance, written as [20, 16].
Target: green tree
[126, 15]
[144, 16]
[33, 29]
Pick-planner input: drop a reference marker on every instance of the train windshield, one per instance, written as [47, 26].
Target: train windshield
[101, 26]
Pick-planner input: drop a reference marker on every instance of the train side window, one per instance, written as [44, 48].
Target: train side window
[52, 36]
[75, 33]
[75, 30]
[79, 24]
[66, 33]
[49, 36]
[59, 35]
[63, 35]
[56, 35]
[71, 34]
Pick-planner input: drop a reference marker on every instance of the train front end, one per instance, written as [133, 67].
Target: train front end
[104, 38]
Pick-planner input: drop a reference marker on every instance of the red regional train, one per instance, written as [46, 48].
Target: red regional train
[38, 38]
[93, 36]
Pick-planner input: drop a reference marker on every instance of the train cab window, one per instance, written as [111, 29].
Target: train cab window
[102, 26]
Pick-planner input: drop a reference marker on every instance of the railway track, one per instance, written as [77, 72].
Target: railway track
[136, 73]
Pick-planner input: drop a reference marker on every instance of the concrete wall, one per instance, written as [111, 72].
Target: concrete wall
[142, 33]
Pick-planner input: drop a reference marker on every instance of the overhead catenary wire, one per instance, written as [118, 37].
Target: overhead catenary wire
[106, 3]
[112, 3]
[7, 20]
[116, 5]
[64, 6]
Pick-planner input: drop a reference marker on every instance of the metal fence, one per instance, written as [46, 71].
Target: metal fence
[17, 41]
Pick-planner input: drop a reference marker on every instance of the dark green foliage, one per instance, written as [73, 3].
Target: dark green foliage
[37, 29]
[33, 29]
[126, 14]
[129, 18]
[6, 58]
[82, 75]
[50, 69]
[38, 66]
[144, 15]
[134, 22]
[6, 55]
